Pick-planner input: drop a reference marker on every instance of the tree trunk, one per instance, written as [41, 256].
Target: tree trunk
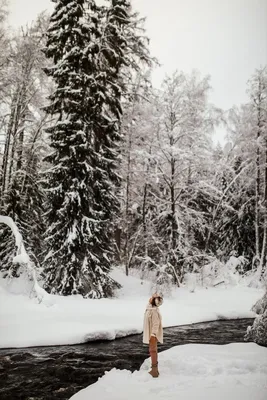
[118, 242]
[264, 242]
[258, 178]
[18, 137]
[174, 226]
[127, 205]
[144, 208]
[12, 156]
[173, 207]
[257, 200]
[144, 222]
[21, 137]
[7, 146]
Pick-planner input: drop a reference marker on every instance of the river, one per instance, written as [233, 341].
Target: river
[57, 372]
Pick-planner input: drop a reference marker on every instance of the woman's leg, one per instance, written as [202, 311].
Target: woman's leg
[153, 350]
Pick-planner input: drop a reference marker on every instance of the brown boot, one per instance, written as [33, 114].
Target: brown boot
[154, 371]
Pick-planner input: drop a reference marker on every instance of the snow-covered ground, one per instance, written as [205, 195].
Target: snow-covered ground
[190, 372]
[68, 320]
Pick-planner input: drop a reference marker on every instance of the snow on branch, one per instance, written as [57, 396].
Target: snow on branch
[22, 256]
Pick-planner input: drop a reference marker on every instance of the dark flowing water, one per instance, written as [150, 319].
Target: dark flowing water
[50, 373]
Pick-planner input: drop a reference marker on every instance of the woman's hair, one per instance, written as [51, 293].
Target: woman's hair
[153, 301]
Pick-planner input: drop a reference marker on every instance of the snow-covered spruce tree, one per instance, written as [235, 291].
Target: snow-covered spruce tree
[75, 261]
[89, 48]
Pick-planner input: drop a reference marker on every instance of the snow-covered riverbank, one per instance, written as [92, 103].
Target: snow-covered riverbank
[68, 320]
[191, 372]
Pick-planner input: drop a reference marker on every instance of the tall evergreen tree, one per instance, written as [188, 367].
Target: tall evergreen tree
[89, 49]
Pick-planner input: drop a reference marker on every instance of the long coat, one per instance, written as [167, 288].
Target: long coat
[152, 324]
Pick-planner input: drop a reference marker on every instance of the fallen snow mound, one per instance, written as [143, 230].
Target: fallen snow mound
[190, 372]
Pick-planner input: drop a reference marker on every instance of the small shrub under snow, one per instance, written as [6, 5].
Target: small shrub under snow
[190, 281]
[164, 281]
[261, 306]
[229, 274]
[258, 331]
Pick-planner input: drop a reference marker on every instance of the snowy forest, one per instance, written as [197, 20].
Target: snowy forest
[99, 168]
[132, 209]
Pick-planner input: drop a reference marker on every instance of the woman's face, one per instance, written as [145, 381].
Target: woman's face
[158, 301]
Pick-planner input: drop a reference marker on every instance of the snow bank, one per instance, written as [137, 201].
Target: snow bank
[69, 320]
[190, 372]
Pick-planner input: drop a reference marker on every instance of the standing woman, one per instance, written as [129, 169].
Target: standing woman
[153, 331]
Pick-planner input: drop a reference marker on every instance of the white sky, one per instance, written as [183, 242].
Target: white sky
[226, 39]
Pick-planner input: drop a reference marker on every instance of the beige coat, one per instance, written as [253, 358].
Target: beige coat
[152, 324]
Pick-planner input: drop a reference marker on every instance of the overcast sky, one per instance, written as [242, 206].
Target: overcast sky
[226, 39]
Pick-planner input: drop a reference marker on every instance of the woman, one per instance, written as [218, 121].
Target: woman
[153, 331]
